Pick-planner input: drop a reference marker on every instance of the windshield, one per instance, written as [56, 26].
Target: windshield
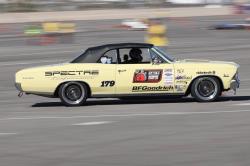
[163, 54]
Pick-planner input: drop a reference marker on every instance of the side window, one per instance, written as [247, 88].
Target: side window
[135, 56]
[109, 57]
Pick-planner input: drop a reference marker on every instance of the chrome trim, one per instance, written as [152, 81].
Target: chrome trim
[237, 78]
[234, 85]
[18, 86]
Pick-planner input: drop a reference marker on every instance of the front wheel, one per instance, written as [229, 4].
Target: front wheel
[206, 89]
[73, 93]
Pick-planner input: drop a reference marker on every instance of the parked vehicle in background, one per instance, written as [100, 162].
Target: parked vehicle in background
[200, 1]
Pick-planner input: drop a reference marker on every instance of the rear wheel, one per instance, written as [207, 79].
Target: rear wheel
[206, 89]
[73, 93]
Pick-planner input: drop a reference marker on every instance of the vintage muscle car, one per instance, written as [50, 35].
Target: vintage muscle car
[128, 69]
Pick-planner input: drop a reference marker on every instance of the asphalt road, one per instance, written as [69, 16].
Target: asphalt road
[36, 131]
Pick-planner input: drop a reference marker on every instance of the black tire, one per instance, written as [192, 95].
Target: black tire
[206, 89]
[73, 93]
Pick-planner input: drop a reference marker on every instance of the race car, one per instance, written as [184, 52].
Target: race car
[134, 24]
[232, 26]
[228, 26]
[125, 70]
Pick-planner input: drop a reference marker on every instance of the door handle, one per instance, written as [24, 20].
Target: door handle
[122, 70]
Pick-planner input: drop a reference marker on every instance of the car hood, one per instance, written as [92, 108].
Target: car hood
[207, 61]
[45, 66]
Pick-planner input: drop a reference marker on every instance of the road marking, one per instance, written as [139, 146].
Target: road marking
[242, 104]
[92, 123]
[122, 115]
[3, 134]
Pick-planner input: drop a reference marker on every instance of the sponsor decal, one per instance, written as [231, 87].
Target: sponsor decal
[180, 88]
[71, 73]
[28, 78]
[183, 77]
[147, 76]
[70, 78]
[205, 72]
[180, 71]
[168, 76]
[181, 82]
[151, 88]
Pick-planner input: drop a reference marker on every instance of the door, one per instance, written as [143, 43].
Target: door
[144, 77]
[105, 83]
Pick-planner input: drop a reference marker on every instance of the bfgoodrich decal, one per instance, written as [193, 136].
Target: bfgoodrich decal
[151, 88]
[147, 76]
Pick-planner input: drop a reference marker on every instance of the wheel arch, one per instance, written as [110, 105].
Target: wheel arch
[82, 82]
[188, 91]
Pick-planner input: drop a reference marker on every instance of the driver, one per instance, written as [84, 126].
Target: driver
[135, 55]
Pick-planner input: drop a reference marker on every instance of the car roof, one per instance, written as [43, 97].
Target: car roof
[98, 51]
[106, 47]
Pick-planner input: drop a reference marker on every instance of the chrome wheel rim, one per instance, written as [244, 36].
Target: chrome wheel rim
[73, 93]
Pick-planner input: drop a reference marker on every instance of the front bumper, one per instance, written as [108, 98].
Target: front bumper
[19, 87]
[235, 84]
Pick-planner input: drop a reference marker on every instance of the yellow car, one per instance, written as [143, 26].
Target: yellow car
[128, 69]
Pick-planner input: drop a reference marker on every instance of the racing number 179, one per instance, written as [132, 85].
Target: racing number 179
[107, 83]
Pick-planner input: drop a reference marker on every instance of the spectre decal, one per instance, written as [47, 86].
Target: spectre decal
[71, 73]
